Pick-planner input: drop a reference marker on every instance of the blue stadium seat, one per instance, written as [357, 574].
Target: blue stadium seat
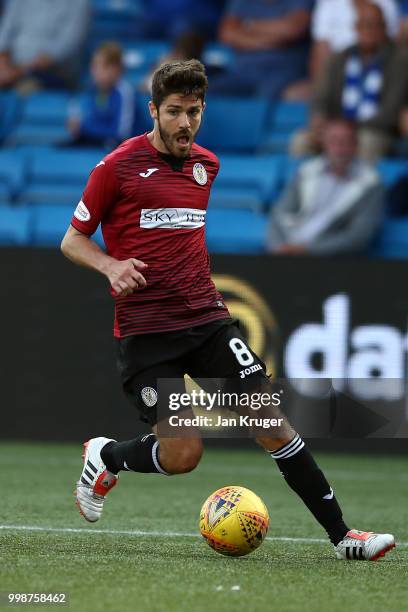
[43, 119]
[15, 224]
[12, 173]
[289, 115]
[58, 176]
[144, 53]
[143, 119]
[393, 239]
[114, 20]
[391, 170]
[50, 222]
[141, 57]
[118, 7]
[233, 124]
[244, 198]
[217, 55]
[247, 181]
[284, 119]
[235, 231]
[26, 134]
[10, 109]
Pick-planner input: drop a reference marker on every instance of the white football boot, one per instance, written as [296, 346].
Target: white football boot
[364, 545]
[95, 481]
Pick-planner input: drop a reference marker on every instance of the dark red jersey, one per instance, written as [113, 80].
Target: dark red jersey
[154, 209]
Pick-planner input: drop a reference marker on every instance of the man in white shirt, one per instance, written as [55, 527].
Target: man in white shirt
[333, 206]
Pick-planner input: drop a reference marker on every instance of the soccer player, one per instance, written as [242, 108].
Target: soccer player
[151, 196]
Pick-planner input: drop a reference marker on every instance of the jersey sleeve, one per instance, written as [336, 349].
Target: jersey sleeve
[98, 197]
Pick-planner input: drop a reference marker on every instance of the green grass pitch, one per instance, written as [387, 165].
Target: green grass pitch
[145, 553]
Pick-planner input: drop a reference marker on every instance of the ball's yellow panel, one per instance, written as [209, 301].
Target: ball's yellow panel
[234, 521]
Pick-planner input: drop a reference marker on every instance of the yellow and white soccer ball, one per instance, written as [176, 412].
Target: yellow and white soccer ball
[234, 521]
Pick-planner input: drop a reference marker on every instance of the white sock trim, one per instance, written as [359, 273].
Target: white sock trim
[290, 449]
[155, 459]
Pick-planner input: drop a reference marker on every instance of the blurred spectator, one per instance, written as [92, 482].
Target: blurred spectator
[333, 206]
[270, 40]
[189, 45]
[403, 33]
[107, 109]
[367, 83]
[41, 40]
[170, 20]
[186, 23]
[334, 27]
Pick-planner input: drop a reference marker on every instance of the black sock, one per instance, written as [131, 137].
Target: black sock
[304, 476]
[138, 455]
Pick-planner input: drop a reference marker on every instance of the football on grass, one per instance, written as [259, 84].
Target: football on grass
[234, 521]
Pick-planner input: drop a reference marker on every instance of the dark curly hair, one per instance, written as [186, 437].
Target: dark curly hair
[185, 77]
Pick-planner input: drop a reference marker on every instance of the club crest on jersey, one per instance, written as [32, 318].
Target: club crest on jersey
[149, 396]
[200, 174]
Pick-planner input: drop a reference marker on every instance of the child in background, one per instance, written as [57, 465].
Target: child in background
[106, 112]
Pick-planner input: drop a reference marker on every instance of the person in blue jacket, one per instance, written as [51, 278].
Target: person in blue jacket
[105, 115]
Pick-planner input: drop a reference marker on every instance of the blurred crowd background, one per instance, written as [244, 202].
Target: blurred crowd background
[307, 110]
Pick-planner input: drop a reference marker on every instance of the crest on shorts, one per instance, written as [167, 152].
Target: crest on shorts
[200, 174]
[149, 396]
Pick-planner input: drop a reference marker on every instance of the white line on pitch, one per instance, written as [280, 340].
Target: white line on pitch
[164, 534]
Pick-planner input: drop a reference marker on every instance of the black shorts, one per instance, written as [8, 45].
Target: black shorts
[216, 350]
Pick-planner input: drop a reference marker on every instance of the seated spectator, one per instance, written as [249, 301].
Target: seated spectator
[41, 42]
[106, 112]
[270, 40]
[189, 25]
[403, 31]
[334, 27]
[333, 206]
[171, 20]
[367, 83]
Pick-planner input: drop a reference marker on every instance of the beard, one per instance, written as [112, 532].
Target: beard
[172, 142]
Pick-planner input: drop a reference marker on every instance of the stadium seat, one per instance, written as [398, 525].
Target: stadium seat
[10, 108]
[284, 118]
[15, 224]
[289, 115]
[114, 20]
[233, 124]
[235, 231]
[50, 222]
[43, 119]
[58, 176]
[141, 57]
[247, 181]
[12, 174]
[246, 198]
[393, 240]
[217, 55]
[391, 170]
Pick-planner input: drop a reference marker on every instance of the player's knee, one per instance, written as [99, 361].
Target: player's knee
[182, 459]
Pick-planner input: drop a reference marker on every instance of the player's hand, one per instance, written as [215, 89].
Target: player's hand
[126, 276]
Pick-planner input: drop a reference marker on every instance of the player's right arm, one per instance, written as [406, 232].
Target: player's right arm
[77, 245]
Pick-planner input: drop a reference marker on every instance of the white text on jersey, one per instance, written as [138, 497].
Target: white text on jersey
[172, 218]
